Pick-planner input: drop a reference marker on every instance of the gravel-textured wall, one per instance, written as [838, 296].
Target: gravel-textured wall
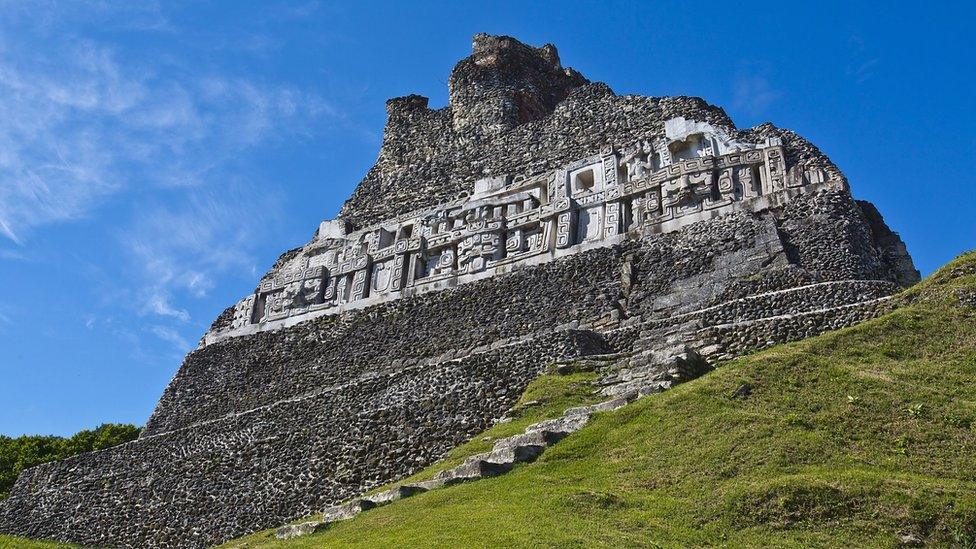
[221, 378]
[730, 340]
[197, 486]
[681, 271]
[757, 321]
[829, 235]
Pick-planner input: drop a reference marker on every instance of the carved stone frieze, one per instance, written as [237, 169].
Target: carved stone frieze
[653, 185]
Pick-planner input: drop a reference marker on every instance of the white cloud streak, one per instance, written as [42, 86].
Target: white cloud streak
[862, 65]
[159, 304]
[85, 122]
[172, 337]
[77, 125]
[753, 94]
[185, 247]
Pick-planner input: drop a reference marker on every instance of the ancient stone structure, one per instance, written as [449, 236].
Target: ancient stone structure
[537, 218]
[694, 172]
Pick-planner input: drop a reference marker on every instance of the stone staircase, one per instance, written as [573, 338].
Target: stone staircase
[660, 357]
[525, 447]
[660, 353]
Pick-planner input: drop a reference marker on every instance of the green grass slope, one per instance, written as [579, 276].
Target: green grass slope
[862, 437]
[11, 542]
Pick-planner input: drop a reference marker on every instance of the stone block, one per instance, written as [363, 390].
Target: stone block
[393, 494]
[346, 510]
[302, 529]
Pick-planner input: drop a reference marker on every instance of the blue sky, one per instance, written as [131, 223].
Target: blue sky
[155, 158]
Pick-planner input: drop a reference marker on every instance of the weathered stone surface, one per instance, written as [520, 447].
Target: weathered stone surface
[538, 218]
[522, 448]
[347, 510]
[301, 529]
[515, 453]
[475, 467]
[393, 494]
[966, 297]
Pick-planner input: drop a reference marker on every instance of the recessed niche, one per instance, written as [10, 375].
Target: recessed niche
[585, 180]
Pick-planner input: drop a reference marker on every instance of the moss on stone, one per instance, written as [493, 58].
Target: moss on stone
[11, 542]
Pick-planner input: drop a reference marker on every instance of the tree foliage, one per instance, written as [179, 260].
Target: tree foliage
[17, 454]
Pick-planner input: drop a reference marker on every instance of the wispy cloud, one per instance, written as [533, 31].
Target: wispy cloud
[49, 16]
[91, 124]
[184, 248]
[862, 64]
[863, 72]
[172, 337]
[752, 92]
[78, 125]
[159, 304]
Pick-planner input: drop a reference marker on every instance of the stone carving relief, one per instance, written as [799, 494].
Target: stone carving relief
[637, 160]
[382, 276]
[288, 292]
[444, 263]
[634, 189]
[476, 251]
[242, 313]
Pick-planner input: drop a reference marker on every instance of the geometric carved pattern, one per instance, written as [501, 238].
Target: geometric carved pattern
[564, 230]
[519, 218]
[359, 289]
[612, 221]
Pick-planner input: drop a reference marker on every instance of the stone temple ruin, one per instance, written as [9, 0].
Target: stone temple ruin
[538, 217]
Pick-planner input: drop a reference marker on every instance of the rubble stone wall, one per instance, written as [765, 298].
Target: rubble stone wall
[731, 340]
[197, 486]
[328, 349]
[675, 272]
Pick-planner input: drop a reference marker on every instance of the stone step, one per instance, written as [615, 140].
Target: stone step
[662, 344]
[346, 510]
[519, 453]
[535, 438]
[393, 494]
[641, 386]
[303, 529]
[559, 427]
[431, 484]
[473, 468]
[605, 406]
[506, 452]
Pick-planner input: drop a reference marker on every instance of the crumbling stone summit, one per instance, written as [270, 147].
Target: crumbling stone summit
[537, 218]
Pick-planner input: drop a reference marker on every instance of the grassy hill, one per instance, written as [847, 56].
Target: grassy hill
[862, 437]
[10, 542]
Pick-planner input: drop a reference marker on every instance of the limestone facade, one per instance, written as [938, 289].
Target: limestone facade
[695, 172]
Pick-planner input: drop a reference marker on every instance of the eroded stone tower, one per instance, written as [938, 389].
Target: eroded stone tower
[537, 217]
